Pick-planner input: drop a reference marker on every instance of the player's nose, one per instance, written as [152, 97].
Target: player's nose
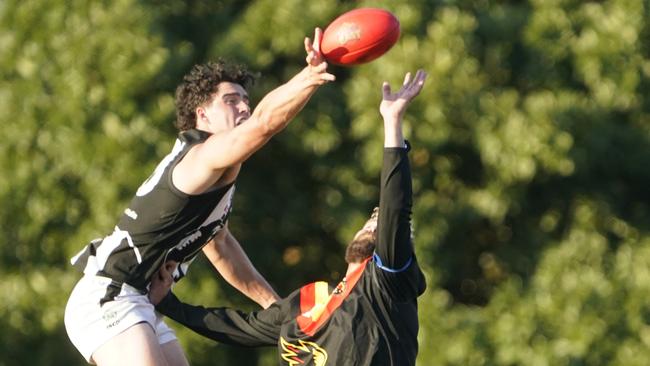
[244, 109]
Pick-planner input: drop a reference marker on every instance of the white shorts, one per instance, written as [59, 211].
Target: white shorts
[90, 325]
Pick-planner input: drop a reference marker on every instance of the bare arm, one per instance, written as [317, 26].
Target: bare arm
[272, 114]
[227, 256]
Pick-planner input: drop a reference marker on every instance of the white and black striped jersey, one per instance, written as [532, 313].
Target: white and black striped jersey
[161, 223]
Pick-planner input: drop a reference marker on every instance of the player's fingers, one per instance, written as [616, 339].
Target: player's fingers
[412, 88]
[385, 88]
[318, 36]
[168, 280]
[321, 67]
[327, 76]
[167, 271]
[162, 275]
[160, 279]
[418, 82]
[308, 47]
[407, 78]
[420, 76]
[170, 267]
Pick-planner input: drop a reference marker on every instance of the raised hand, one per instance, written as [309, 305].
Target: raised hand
[315, 60]
[393, 105]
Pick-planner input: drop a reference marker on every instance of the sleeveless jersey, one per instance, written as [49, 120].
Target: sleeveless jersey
[161, 223]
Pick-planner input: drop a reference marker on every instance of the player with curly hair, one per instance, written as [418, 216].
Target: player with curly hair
[181, 210]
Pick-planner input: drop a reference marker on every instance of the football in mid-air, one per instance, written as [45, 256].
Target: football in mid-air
[359, 36]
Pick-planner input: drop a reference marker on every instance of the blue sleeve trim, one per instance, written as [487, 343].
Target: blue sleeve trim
[381, 266]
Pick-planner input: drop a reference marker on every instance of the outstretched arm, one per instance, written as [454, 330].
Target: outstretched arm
[272, 114]
[394, 250]
[220, 324]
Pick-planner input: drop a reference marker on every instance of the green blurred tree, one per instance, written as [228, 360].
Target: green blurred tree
[530, 165]
[80, 120]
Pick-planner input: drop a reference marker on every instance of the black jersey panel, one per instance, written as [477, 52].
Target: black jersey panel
[162, 222]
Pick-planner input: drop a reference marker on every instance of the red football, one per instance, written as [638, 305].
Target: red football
[359, 36]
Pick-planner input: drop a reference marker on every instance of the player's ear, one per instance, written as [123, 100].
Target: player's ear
[200, 114]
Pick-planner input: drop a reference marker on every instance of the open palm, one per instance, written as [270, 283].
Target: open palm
[393, 105]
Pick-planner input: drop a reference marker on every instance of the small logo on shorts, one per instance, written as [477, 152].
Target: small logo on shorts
[111, 319]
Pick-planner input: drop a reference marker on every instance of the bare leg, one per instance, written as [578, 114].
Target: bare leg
[138, 345]
[174, 354]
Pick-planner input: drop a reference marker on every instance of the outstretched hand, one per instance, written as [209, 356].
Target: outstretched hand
[393, 105]
[316, 61]
[162, 282]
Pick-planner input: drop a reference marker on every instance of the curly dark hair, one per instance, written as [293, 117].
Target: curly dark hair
[200, 84]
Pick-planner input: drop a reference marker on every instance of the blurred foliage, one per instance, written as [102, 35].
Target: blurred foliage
[531, 147]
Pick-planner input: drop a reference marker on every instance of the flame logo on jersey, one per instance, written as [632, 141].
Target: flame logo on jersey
[300, 354]
[348, 32]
